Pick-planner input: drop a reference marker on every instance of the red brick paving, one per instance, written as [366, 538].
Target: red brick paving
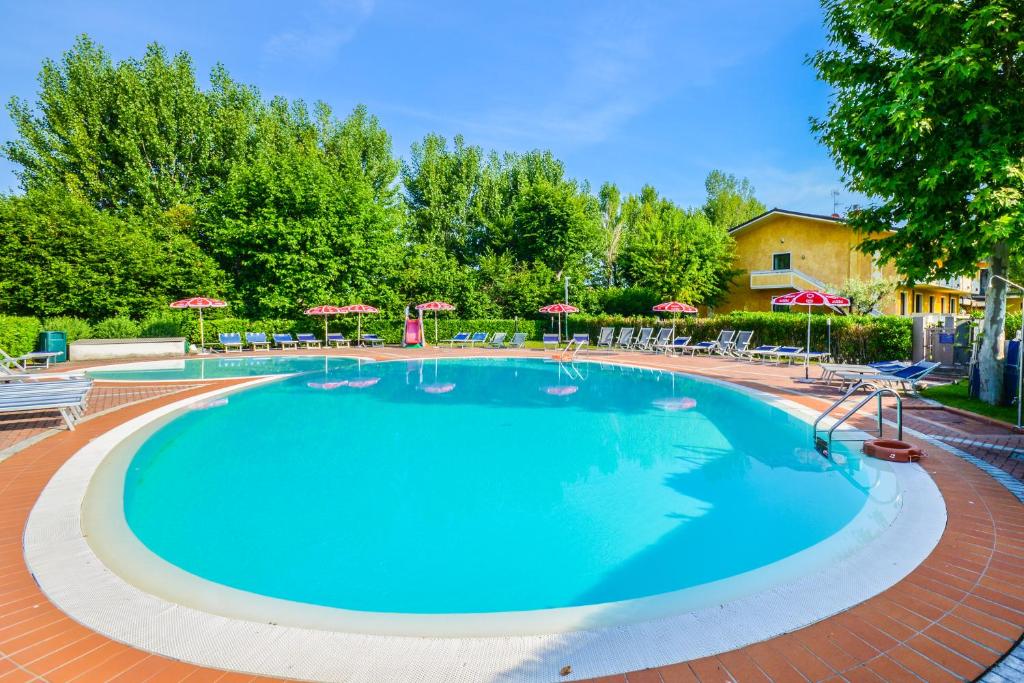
[948, 621]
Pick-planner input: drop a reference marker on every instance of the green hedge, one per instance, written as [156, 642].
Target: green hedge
[18, 334]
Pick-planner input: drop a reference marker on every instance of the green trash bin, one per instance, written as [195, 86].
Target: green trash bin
[54, 341]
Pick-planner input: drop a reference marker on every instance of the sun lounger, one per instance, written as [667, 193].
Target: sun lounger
[740, 345]
[551, 340]
[231, 341]
[676, 344]
[786, 353]
[581, 339]
[643, 341]
[336, 339]
[285, 341]
[27, 360]
[759, 353]
[308, 340]
[518, 340]
[498, 340]
[664, 336]
[724, 341]
[257, 340]
[705, 346]
[371, 339]
[830, 371]
[625, 339]
[605, 337]
[67, 397]
[461, 338]
[477, 338]
[909, 376]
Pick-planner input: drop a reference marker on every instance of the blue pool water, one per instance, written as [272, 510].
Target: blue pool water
[484, 485]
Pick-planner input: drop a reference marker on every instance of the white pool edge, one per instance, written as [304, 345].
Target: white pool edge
[77, 580]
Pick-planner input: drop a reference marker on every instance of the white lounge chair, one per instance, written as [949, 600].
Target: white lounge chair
[643, 341]
[518, 340]
[625, 339]
[908, 377]
[67, 397]
[497, 340]
[605, 337]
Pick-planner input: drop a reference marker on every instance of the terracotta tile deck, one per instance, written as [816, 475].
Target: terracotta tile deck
[949, 620]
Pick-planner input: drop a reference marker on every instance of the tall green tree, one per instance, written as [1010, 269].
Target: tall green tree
[675, 253]
[613, 224]
[927, 120]
[730, 201]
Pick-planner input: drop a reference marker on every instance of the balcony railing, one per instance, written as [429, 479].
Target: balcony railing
[783, 279]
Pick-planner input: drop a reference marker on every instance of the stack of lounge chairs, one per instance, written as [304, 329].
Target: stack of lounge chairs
[67, 396]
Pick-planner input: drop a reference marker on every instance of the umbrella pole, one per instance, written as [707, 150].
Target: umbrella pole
[435, 328]
[326, 345]
[807, 349]
[359, 328]
[202, 337]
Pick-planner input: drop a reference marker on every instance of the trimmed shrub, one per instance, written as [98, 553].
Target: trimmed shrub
[1012, 325]
[74, 328]
[18, 334]
[115, 328]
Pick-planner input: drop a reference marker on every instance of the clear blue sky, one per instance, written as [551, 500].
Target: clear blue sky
[632, 92]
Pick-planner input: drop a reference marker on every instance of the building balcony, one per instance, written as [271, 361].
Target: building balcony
[784, 279]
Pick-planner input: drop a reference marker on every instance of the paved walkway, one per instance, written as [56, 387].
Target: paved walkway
[948, 621]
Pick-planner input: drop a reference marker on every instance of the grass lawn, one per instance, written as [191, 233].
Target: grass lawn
[956, 396]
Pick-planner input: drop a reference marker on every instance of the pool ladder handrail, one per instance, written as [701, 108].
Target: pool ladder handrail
[878, 392]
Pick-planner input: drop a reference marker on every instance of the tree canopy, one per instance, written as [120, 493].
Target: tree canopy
[139, 185]
[926, 119]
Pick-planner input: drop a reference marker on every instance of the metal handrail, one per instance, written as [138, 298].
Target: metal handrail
[878, 393]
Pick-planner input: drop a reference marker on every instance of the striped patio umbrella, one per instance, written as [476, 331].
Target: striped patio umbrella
[557, 310]
[199, 302]
[435, 306]
[325, 311]
[359, 309]
[808, 298]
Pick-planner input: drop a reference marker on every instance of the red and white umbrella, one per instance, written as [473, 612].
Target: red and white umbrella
[557, 310]
[359, 309]
[808, 298]
[676, 307]
[199, 302]
[325, 311]
[435, 306]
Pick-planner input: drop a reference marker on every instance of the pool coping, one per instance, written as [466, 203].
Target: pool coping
[185, 633]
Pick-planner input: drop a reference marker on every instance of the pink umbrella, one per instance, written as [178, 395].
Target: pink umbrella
[557, 309]
[676, 307]
[809, 297]
[440, 388]
[561, 390]
[200, 302]
[359, 309]
[675, 404]
[435, 306]
[325, 311]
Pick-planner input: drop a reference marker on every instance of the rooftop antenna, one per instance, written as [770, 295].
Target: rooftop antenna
[835, 202]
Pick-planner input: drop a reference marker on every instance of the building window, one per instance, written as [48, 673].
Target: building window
[983, 281]
[931, 304]
[780, 261]
[918, 303]
[942, 305]
[779, 308]
[903, 303]
[952, 305]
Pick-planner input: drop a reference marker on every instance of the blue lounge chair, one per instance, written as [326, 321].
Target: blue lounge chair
[231, 340]
[518, 340]
[371, 339]
[257, 340]
[677, 344]
[787, 353]
[581, 339]
[759, 352]
[908, 377]
[308, 340]
[551, 341]
[285, 341]
[461, 338]
[477, 338]
[336, 339]
[705, 346]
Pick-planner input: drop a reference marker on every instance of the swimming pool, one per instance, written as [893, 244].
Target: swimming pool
[497, 485]
[219, 367]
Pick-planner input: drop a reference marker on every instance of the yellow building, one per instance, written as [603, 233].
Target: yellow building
[782, 251]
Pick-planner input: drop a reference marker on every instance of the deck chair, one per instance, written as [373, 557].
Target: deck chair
[625, 339]
[643, 341]
[308, 340]
[518, 340]
[605, 337]
[231, 341]
[908, 377]
[371, 339]
[786, 353]
[550, 341]
[336, 339]
[581, 339]
[724, 341]
[498, 340]
[477, 338]
[830, 371]
[664, 336]
[741, 344]
[461, 338]
[285, 341]
[257, 340]
[67, 396]
[706, 346]
[677, 344]
[760, 353]
[27, 360]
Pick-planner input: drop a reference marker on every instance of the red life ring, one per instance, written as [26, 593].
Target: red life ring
[893, 450]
